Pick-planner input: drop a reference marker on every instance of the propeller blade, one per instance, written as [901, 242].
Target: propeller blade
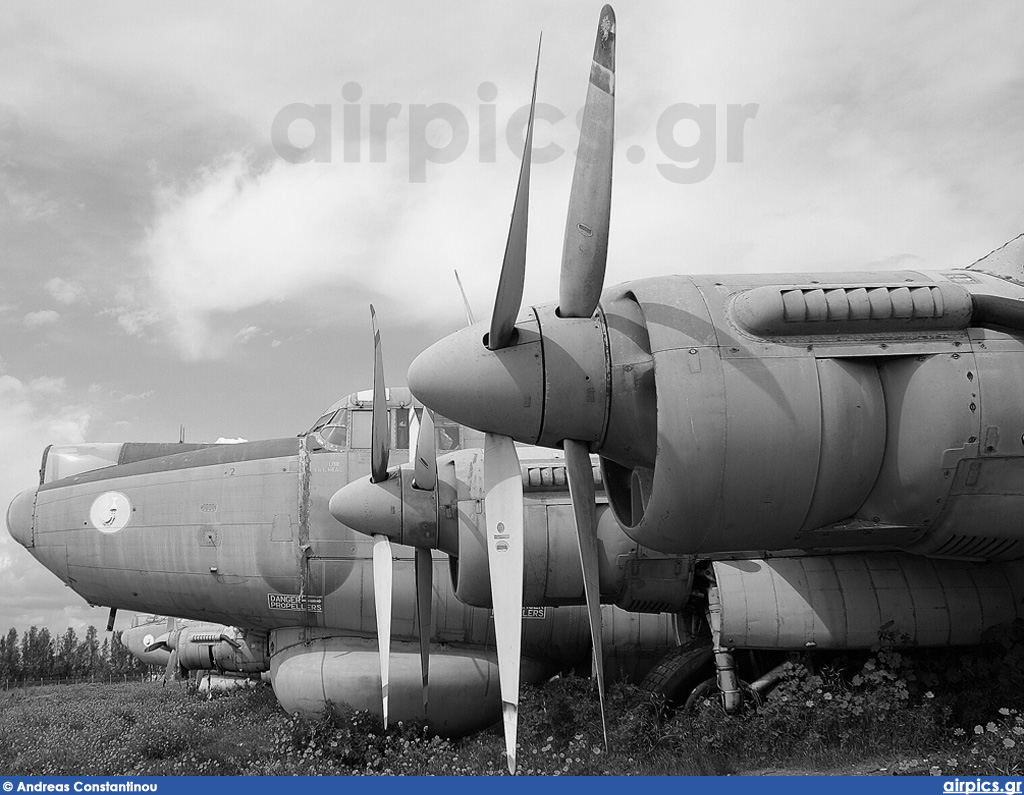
[172, 673]
[503, 505]
[382, 576]
[425, 476]
[424, 597]
[583, 496]
[585, 248]
[513, 268]
[381, 441]
[465, 302]
[414, 433]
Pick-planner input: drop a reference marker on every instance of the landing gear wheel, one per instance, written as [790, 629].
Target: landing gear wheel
[679, 668]
[707, 692]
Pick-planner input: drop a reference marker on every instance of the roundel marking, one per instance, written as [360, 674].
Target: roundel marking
[147, 641]
[110, 512]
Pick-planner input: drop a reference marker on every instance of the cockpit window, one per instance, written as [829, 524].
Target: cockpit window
[335, 434]
[320, 423]
[352, 428]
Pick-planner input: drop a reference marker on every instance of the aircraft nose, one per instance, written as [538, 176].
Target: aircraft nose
[371, 508]
[19, 517]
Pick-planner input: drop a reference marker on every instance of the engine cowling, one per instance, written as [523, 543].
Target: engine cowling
[630, 577]
[451, 518]
[808, 416]
[225, 649]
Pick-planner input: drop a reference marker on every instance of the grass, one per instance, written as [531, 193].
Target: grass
[907, 714]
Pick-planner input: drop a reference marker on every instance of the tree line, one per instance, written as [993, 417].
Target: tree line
[39, 655]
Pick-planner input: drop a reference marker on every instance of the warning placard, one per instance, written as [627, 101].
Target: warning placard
[297, 602]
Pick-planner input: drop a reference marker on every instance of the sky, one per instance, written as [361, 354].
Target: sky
[164, 262]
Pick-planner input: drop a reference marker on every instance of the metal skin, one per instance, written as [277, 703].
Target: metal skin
[889, 399]
[138, 640]
[240, 535]
[583, 262]
[896, 421]
[180, 645]
[842, 601]
[454, 517]
[762, 416]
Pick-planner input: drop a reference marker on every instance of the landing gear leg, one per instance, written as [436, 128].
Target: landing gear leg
[725, 666]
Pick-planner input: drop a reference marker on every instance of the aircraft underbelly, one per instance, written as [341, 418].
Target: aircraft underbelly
[858, 601]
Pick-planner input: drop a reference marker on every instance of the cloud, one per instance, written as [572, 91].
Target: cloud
[133, 315]
[325, 238]
[238, 236]
[46, 385]
[29, 206]
[134, 321]
[41, 318]
[64, 292]
[131, 397]
[246, 334]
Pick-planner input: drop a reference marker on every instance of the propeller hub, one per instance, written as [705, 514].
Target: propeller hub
[371, 508]
[549, 384]
[500, 391]
[393, 508]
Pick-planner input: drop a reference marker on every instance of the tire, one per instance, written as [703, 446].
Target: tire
[707, 691]
[679, 670]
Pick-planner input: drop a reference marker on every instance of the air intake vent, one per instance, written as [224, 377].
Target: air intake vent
[852, 309]
[980, 547]
[647, 606]
[552, 477]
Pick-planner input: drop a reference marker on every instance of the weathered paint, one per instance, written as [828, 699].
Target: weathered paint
[858, 601]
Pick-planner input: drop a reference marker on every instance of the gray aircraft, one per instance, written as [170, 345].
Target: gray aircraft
[239, 538]
[825, 456]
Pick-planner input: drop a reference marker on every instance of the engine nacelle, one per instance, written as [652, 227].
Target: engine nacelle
[802, 416]
[224, 649]
[629, 577]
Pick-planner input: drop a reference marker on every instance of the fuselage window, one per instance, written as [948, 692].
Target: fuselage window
[362, 429]
[401, 428]
[448, 437]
